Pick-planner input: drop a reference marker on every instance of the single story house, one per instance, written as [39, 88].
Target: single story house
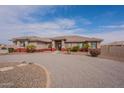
[2, 46]
[116, 43]
[56, 43]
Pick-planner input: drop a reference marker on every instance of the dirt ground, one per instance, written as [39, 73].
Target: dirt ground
[75, 71]
[29, 76]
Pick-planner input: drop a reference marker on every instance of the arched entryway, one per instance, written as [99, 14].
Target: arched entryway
[58, 44]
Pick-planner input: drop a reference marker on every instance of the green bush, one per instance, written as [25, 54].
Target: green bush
[86, 46]
[31, 48]
[75, 48]
[10, 50]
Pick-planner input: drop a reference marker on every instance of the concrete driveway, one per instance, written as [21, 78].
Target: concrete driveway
[75, 70]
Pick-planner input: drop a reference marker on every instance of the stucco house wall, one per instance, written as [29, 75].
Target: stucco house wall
[40, 45]
[59, 43]
[80, 44]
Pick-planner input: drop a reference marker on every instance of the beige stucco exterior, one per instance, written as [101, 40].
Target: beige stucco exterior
[39, 45]
[43, 45]
[98, 45]
[57, 43]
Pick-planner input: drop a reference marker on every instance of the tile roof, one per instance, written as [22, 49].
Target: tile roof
[66, 38]
[76, 38]
[32, 38]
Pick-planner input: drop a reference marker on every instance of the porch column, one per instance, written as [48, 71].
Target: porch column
[63, 45]
[98, 45]
[26, 43]
[53, 46]
[18, 44]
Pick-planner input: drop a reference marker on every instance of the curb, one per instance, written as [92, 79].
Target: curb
[47, 75]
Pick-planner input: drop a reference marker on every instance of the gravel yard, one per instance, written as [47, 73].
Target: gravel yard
[78, 71]
[7, 64]
[22, 76]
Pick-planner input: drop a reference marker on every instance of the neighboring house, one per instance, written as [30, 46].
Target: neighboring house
[2, 46]
[114, 50]
[56, 43]
[117, 43]
[3, 49]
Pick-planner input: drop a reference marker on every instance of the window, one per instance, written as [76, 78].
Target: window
[80, 45]
[83, 45]
[93, 45]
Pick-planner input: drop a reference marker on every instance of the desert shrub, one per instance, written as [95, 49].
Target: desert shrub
[84, 49]
[10, 50]
[75, 48]
[24, 62]
[94, 52]
[31, 48]
[30, 63]
[68, 50]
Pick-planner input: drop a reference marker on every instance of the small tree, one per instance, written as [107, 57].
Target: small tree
[86, 45]
[10, 50]
[31, 48]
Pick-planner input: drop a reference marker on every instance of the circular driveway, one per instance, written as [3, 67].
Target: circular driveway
[75, 70]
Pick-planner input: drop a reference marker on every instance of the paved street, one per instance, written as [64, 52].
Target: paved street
[75, 70]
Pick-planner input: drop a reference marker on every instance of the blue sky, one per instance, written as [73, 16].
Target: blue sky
[105, 22]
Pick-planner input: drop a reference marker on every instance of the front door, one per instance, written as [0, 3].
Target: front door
[58, 45]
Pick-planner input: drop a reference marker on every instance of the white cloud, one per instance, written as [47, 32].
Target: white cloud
[13, 14]
[65, 23]
[11, 25]
[113, 26]
[85, 21]
[58, 24]
[49, 28]
[110, 36]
